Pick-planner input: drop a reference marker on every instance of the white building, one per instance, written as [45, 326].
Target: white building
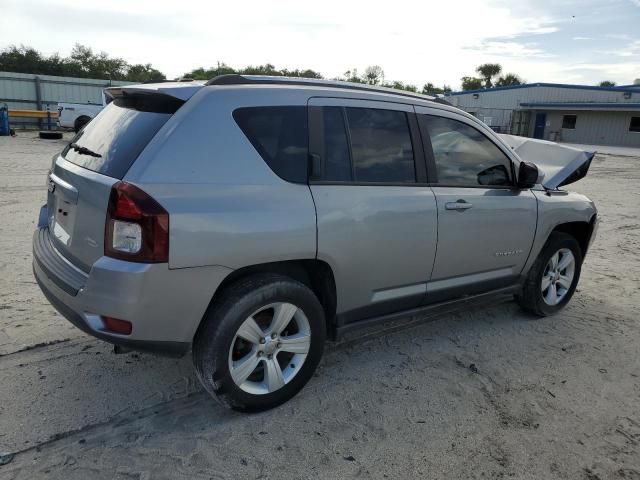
[558, 112]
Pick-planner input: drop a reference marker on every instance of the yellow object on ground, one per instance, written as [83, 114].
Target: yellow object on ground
[32, 113]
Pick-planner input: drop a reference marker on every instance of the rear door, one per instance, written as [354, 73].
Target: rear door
[81, 177]
[376, 214]
[486, 225]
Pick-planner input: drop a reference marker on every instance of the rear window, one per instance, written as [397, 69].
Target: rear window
[279, 134]
[111, 142]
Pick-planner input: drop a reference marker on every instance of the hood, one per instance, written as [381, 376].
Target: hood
[558, 164]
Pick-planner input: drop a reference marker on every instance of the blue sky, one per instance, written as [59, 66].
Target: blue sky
[416, 42]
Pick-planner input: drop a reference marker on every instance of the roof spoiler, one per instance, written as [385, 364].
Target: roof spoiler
[178, 90]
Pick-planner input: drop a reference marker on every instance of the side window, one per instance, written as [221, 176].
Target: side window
[463, 155]
[380, 145]
[279, 134]
[337, 165]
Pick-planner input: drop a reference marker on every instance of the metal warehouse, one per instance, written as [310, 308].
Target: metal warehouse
[39, 92]
[558, 112]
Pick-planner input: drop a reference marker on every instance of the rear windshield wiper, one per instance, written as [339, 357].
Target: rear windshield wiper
[84, 150]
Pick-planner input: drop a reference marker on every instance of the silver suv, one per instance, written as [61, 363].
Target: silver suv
[251, 217]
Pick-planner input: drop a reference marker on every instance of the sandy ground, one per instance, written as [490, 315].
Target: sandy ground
[486, 392]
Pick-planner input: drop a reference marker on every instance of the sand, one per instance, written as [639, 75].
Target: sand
[486, 392]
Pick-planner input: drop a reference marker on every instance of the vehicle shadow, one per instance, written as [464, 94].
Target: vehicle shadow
[116, 390]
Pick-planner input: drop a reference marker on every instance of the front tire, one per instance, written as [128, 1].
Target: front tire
[260, 342]
[553, 278]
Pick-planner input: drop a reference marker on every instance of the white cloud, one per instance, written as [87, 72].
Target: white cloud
[631, 49]
[417, 42]
[511, 49]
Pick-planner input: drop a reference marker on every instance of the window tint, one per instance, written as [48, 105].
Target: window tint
[634, 125]
[569, 121]
[118, 134]
[279, 134]
[337, 165]
[380, 145]
[463, 155]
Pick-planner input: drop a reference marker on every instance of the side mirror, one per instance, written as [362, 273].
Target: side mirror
[527, 175]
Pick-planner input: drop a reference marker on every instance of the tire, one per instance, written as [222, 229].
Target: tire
[537, 299]
[80, 122]
[50, 135]
[218, 349]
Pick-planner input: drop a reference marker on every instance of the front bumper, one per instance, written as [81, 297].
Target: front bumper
[164, 306]
[593, 226]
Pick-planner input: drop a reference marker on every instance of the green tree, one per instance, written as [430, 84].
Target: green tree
[607, 83]
[266, 69]
[143, 73]
[508, 80]
[98, 65]
[430, 89]
[209, 73]
[471, 83]
[351, 76]
[307, 73]
[22, 59]
[82, 62]
[487, 71]
[373, 75]
[401, 86]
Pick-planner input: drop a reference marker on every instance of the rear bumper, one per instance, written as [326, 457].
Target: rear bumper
[176, 349]
[164, 306]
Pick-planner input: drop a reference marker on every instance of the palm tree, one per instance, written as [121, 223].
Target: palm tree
[509, 79]
[487, 71]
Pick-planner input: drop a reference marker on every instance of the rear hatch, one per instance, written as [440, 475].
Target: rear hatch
[99, 155]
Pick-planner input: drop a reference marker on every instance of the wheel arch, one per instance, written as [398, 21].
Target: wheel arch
[580, 230]
[315, 274]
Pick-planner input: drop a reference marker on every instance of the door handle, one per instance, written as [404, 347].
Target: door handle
[459, 205]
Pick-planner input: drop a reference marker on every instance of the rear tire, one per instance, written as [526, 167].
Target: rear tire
[553, 277]
[80, 122]
[247, 354]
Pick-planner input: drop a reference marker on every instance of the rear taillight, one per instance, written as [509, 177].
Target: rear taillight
[137, 226]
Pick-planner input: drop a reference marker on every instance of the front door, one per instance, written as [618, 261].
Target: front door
[485, 225]
[376, 214]
[541, 120]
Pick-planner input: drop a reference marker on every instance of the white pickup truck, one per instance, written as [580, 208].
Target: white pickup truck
[77, 115]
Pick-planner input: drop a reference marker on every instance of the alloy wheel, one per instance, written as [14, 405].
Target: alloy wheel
[558, 276]
[269, 348]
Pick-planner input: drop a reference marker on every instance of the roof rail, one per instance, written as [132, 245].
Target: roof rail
[234, 79]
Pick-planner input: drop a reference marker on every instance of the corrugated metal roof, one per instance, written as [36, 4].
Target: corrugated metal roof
[582, 105]
[554, 85]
